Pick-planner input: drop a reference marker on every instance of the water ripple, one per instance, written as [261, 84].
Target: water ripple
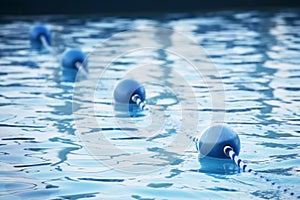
[256, 54]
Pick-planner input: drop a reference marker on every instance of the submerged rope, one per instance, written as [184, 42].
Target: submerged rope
[194, 139]
[230, 153]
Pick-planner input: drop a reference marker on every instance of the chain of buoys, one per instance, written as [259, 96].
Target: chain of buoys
[216, 141]
[40, 37]
[222, 142]
[127, 92]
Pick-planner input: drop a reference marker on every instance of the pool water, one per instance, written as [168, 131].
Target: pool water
[62, 138]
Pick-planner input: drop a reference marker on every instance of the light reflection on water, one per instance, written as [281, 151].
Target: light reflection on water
[256, 54]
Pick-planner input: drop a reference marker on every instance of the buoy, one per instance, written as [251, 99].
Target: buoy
[215, 138]
[129, 91]
[74, 59]
[39, 36]
[222, 142]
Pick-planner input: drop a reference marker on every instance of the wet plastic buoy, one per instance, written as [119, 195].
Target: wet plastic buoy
[39, 33]
[74, 59]
[222, 142]
[129, 91]
[215, 138]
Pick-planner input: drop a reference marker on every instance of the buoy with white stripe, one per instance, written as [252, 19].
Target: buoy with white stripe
[130, 92]
[40, 37]
[215, 138]
[222, 142]
[74, 59]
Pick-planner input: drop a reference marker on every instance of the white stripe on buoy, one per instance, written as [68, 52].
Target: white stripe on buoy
[46, 45]
[141, 104]
[80, 68]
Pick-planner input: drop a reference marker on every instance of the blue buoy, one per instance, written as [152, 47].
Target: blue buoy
[74, 59]
[215, 138]
[222, 142]
[39, 33]
[129, 91]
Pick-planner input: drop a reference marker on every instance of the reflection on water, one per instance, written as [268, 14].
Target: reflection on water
[217, 166]
[257, 58]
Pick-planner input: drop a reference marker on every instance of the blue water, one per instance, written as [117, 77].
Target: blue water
[54, 128]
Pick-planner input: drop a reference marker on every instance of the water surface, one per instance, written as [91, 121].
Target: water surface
[256, 55]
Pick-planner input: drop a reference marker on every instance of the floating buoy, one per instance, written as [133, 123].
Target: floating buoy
[40, 36]
[215, 138]
[74, 59]
[222, 142]
[129, 91]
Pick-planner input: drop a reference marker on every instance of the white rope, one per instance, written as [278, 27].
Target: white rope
[141, 104]
[230, 152]
[46, 45]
